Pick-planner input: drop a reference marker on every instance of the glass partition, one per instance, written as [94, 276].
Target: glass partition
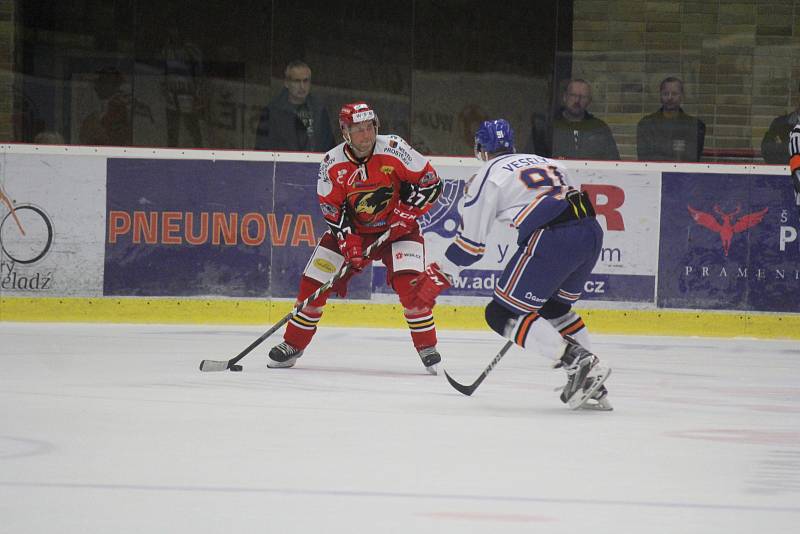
[666, 81]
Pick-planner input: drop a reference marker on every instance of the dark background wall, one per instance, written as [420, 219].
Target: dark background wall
[432, 69]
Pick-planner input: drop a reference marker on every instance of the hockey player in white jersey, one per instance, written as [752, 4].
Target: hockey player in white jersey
[559, 242]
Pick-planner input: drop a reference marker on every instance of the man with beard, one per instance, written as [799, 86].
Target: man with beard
[670, 134]
[574, 133]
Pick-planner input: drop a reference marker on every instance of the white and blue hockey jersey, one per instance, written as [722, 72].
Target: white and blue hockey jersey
[524, 189]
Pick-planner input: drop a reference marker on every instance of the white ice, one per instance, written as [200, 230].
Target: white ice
[113, 429]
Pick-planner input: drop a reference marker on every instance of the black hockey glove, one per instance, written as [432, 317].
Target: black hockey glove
[420, 196]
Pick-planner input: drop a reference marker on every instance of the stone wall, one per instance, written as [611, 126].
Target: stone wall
[740, 62]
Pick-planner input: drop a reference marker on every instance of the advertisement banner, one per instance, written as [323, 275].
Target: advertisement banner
[188, 227]
[296, 193]
[204, 228]
[729, 241]
[51, 225]
[627, 204]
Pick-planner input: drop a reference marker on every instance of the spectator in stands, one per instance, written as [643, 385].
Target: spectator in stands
[295, 120]
[110, 123]
[574, 132]
[670, 134]
[774, 146]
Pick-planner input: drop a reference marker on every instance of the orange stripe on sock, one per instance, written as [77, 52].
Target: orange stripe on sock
[522, 331]
[574, 327]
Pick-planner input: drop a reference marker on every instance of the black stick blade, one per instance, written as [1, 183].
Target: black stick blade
[466, 390]
[213, 365]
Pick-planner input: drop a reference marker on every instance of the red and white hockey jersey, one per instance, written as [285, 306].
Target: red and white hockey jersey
[363, 193]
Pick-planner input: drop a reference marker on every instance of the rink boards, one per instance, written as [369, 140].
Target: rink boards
[145, 235]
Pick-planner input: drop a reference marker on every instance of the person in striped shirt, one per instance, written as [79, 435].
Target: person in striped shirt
[794, 156]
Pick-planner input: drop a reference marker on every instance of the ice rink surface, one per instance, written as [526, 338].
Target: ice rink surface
[114, 429]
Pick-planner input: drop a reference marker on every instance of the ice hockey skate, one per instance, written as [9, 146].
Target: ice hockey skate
[599, 401]
[430, 359]
[585, 378]
[283, 355]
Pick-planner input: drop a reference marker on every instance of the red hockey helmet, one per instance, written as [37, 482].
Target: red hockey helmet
[356, 112]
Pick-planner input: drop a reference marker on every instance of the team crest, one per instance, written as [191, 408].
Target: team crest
[387, 169]
[368, 204]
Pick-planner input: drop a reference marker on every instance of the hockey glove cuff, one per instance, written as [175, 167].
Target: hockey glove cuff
[402, 221]
[352, 247]
[427, 286]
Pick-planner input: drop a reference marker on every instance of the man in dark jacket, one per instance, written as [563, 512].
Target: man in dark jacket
[295, 120]
[776, 140]
[670, 134]
[574, 132]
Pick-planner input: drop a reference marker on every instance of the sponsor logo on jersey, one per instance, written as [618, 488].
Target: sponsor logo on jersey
[324, 265]
[726, 226]
[429, 178]
[387, 169]
[329, 210]
[392, 143]
[402, 155]
[400, 255]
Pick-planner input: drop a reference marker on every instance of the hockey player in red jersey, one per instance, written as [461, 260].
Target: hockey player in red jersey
[368, 185]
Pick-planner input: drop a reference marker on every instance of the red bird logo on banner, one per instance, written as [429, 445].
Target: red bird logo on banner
[727, 228]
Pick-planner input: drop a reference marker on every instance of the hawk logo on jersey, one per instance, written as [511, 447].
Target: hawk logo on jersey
[727, 229]
[372, 202]
[387, 169]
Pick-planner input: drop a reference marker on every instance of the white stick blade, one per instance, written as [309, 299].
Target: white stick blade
[213, 365]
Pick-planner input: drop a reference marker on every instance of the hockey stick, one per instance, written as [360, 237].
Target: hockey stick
[217, 365]
[469, 390]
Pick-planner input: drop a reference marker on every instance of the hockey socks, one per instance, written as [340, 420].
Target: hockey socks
[422, 328]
